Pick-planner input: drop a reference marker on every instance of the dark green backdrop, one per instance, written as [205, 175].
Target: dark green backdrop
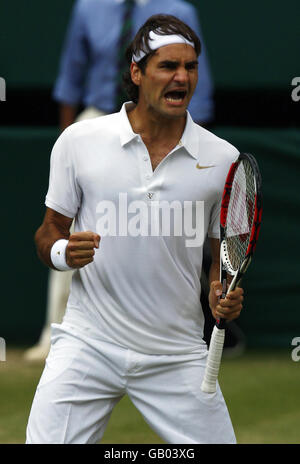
[251, 45]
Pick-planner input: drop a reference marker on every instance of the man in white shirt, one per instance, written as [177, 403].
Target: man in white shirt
[88, 68]
[144, 186]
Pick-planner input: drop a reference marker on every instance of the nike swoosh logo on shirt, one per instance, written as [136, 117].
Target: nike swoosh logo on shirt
[204, 167]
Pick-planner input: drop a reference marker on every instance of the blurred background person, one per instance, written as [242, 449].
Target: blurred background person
[89, 85]
[93, 56]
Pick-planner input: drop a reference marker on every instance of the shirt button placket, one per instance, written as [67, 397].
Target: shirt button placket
[146, 172]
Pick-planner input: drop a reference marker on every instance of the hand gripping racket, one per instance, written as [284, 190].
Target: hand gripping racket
[240, 219]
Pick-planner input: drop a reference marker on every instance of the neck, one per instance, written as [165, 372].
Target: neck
[152, 126]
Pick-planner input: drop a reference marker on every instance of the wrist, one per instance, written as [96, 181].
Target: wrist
[58, 255]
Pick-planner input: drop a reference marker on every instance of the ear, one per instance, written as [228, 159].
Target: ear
[135, 73]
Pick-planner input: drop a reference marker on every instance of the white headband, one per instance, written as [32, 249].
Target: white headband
[157, 41]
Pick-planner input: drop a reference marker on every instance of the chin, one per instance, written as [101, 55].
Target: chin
[175, 113]
[168, 111]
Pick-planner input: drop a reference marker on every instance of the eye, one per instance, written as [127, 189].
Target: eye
[191, 66]
[168, 65]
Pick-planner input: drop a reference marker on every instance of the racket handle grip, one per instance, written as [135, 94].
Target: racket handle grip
[209, 384]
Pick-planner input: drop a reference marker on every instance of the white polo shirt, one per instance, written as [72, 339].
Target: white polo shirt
[142, 290]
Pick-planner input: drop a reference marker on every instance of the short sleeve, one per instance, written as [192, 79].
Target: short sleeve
[214, 224]
[64, 194]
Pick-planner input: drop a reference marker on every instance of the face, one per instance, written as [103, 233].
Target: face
[169, 81]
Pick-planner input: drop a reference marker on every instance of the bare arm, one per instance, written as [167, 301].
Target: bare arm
[214, 271]
[67, 115]
[231, 306]
[80, 248]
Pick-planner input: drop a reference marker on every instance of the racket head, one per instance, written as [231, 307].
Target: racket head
[240, 217]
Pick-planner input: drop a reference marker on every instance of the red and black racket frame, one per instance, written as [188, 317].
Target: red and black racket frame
[221, 323]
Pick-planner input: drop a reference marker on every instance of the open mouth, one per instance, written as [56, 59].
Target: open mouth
[175, 96]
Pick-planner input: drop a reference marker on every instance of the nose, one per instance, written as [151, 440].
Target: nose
[181, 75]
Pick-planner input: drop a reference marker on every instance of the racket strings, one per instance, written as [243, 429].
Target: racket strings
[240, 214]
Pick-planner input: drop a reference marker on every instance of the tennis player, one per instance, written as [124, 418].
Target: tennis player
[136, 182]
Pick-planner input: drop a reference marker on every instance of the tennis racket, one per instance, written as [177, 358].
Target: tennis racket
[240, 219]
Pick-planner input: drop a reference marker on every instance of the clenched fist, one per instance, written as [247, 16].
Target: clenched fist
[228, 308]
[81, 248]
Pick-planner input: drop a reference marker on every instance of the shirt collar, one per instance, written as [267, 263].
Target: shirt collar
[126, 132]
[189, 139]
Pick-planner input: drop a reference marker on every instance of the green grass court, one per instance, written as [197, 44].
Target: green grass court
[261, 390]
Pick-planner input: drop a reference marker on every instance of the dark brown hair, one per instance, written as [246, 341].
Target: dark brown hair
[162, 25]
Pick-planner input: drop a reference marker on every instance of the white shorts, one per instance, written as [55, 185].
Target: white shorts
[84, 378]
